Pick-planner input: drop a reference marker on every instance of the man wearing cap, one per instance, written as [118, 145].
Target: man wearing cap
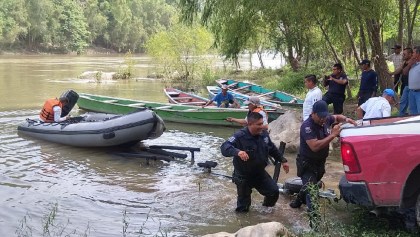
[250, 148]
[368, 82]
[254, 105]
[397, 59]
[315, 137]
[223, 99]
[336, 93]
[377, 107]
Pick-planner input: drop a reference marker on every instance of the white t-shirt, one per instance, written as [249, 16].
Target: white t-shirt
[312, 96]
[376, 107]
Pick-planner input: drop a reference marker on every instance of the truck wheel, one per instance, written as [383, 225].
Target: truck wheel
[418, 210]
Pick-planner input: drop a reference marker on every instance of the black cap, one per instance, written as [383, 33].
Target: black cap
[397, 46]
[364, 61]
[321, 109]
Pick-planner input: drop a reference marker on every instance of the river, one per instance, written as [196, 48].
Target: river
[92, 192]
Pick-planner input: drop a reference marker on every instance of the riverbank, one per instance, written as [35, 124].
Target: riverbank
[91, 51]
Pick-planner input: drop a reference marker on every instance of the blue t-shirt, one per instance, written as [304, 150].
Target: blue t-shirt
[369, 81]
[334, 87]
[223, 100]
[310, 130]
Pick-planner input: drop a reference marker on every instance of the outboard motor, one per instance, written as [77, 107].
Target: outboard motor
[72, 98]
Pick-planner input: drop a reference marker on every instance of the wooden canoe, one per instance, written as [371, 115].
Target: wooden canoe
[251, 89]
[176, 96]
[168, 112]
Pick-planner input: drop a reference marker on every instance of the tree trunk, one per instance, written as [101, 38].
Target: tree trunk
[259, 54]
[381, 67]
[327, 38]
[410, 21]
[353, 44]
[363, 45]
[400, 21]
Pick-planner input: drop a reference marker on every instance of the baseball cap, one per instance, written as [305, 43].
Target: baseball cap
[364, 61]
[390, 92]
[225, 87]
[397, 46]
[252, 100]
[321, 109]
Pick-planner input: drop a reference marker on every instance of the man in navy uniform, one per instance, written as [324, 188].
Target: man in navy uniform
[250, 148]
[315, 137]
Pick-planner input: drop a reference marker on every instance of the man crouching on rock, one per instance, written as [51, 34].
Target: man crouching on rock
[250, 148]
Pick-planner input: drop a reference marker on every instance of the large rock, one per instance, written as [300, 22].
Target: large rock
[97, 75]
[270, 229]
[286, 128]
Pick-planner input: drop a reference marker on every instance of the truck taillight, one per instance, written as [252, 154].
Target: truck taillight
[350, 162]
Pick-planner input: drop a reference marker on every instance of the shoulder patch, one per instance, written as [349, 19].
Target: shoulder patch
[232, 139]
[308, 129]
[266, 140]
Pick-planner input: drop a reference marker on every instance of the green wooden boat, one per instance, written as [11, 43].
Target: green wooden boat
[168, 112]
[251, 89]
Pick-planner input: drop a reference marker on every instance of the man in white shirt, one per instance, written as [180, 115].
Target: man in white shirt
[314, 94]
[377, 107]
[397, 59]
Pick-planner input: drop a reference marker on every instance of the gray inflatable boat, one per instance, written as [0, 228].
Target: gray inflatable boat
[97, 130]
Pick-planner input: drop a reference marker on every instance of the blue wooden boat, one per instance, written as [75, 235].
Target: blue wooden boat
[251, 89]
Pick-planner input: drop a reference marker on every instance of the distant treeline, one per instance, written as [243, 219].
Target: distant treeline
[73, 25]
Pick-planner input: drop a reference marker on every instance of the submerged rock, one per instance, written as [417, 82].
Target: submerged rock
[270, 229]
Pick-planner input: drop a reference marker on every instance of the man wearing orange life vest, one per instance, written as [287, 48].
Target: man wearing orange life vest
[254, 105]
[51, 112]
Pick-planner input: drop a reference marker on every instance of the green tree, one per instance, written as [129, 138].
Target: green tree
[181, 51]
[13, 21]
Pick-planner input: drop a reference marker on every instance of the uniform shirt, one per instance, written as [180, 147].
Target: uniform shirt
[223, 100]
[310, 130]
[334, 87]
[312, 96]
[369, 81]
[376, 107]
[257, 147]
[414, 77]
[396, 59]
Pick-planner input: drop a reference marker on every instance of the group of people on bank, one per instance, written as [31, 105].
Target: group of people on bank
[251, 146]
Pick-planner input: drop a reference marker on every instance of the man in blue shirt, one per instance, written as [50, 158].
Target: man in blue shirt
[336, 93]
[224, 99]
[368, 82]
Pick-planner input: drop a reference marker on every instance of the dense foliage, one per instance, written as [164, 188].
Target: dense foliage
[73, 25]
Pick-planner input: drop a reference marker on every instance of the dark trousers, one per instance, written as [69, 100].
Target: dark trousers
[364, 96]
[263, 183]
[311, 174]
[336, 99]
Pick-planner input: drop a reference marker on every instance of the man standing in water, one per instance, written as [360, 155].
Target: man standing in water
[254, 105]
[250, 148]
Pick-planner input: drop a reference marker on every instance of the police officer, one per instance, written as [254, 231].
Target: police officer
[315, 137]
[250, 148]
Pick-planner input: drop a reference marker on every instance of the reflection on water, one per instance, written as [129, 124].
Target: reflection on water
[93, 188]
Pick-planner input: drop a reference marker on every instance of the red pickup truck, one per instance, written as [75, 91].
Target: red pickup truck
[382, 164]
